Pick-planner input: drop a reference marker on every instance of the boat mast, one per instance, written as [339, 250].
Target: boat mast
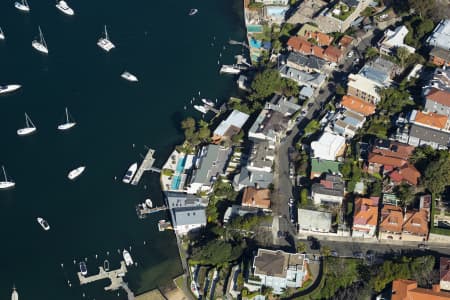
[42, 37]
[28, 121]
[67, 116]
[24, 2]
[106, 34]
[4, 173]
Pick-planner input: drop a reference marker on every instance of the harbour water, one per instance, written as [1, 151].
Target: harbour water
[174, 56]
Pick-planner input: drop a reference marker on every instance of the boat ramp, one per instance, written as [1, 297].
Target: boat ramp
[116, 277]
[146, 165]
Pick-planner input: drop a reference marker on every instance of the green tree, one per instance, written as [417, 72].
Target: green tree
[304, 197]
[346, 168]
[269, 82]
[437, 174]
[301, 247]
[204, 133]
[312, 127]
[394, 100]
[405, 193]
[371, 52]
[340, 90]
[325, 250]
[422, 7]
[402, 55]
[215, 252]
[188, 123]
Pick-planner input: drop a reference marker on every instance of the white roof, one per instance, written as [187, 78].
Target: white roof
[441, 35]
[328, 146]
[364, 84]
[236, 119]
[395, 38]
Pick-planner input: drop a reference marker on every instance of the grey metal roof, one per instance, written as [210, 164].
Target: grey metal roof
[176, 200]
[440, 36]
[337, 189]
[269, 123]
[301, 77]
[283, 105]
[213, 161]
[259, 153]
[247, 178]
[378, 70]
[314, 219]
[310, 61]
[189, 216]
[430, 135]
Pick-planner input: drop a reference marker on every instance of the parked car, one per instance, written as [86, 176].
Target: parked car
[350, 54]
[358, 254]
[291, 201]
[334, 253]
[423, 246]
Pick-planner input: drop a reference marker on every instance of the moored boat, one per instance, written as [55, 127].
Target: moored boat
[65, 8]
[127, 257]
[105, 43]
[148, 203]
[68, 124]
[40, 45]
[230, 69]
[201, 109]
[76, 172]
[207, 102]
[6, 183]
[29, 127]
[106, 265]
[8, 88]
[43, 223]
[2, 34]
[193, 11]
[14, 295]
[128, 76]
[22, 5]
[83, 268]
[130, 173]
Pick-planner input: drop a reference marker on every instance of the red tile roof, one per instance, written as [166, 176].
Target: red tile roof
[386, 160]
[299, 44]
[432, 119]
[345, 41]
[392, 219]
[256, 197]
[358, 105]
[321, 38]
[442, 97]
[416, 222]
[396, 149]
[407, 290]
[333, 54]
[366, 212]
[444, 268]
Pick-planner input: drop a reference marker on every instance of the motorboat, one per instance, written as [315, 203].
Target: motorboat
[29, 127]
[230, 69]
[127, 257]
[6, 183]
[8, 88]
[105, 43]
[14, 295]
[68, 124]
[2, 34]
[130, 173]
[40, 45]
[22, 5]
[193, 11]
[207, 102]
[43, 223]
[148, 203]
[106, 265]
[76, 172]
[201, 109]
[128, 76]
[65, 8]
[83, 268]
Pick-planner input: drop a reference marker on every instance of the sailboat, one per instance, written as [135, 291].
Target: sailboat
[22, 5]
[2, 34]
[6, 184]
[14, 295]
[67, 124]
[40, 45]
[105, 43]
[29, 127]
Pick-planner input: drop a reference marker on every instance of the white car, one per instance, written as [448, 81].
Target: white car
[350, 54]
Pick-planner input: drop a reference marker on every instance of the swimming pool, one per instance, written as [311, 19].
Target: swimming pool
[180, 165]
[254, 28]
[175, 182]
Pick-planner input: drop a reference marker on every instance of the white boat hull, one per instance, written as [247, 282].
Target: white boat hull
[6, 184]
[10, 88]
[229, 70]
[66, 126]
[21, 7]
[149, 203]
[200, 108]
[43, 223]
[130, 77]
[62, 6]
[130, 173]
[39, 47]
[209, 103]
[26, 131]
[2, 36]
[105, 44]
[127, 258]
[76, 172]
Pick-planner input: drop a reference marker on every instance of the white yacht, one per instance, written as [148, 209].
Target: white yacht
[127, 258]
[149, 203]
[201, 109]
[76, 172]
[2, 34]
[230, 69]
[130, 173]
[22, 5]
[128, 76]
[8, 88]
[43, 223]
[105, 43]
[5, 183]
[14, 295]
[207, 102]
[64, 7]
[68, 124]
[40, 45]
[83, 268]
[193, 11]
[29, 127]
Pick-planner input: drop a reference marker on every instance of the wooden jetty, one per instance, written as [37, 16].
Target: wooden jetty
[116, 277]
[233, 42]
[143, 210]
[146, 165]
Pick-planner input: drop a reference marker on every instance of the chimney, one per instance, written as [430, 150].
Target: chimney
[436, 288]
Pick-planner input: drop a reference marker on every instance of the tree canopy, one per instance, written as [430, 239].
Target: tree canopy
[268, 82]
[437, 173]
[215, 252]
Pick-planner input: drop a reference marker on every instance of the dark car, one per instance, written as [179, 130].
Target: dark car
[334, 253]
[358, 254]
[310, 104]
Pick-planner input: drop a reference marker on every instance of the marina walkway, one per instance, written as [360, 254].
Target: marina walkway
[146, 165]
[114, 275]
[143, 210]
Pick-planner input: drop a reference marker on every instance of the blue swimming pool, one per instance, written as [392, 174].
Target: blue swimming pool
[254, 28]
[180, 165]
[175, 182]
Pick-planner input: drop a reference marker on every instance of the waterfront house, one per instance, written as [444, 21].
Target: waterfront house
[188, 219]
[211, 162]
[303, 46]
[280, 270]
[330, 191]
[394, 39]
[365, 217]
[284, 105]
[328, 147]
[253, 197]
[440, 57]
[403, 289]
[321, 166]
[313, 221]
[444, 273]
[275, 13]
[270, 125]
[230, 126]
[440, 37]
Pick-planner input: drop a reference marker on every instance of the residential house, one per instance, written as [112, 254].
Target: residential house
[440, 80]
[252, 178]
[391, 223]
[302, 45]
[273, 2]
[403, 289]
[280, 270]
[302, 78]
[310, 64]
[321, 39]
[417, 135]
[230, 126]
[407, 226]
[357, 105]
[379, 70]
[212, 161]
[425, 203]
[363, 88]
[365, 217]
[307, 11]
[438, 101]
[254, 197]
[346, 123]
[440, 57]
[440, 37]
[345, 42]
[430, 119]
[329, 191]
[238, 210]
[329, 146]
[188, 212]
[313, 221]
[269, 125]
[321, 166]
[394, 39]
[444, 273]
[284, 105]
[275, 13]
[415, 226]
